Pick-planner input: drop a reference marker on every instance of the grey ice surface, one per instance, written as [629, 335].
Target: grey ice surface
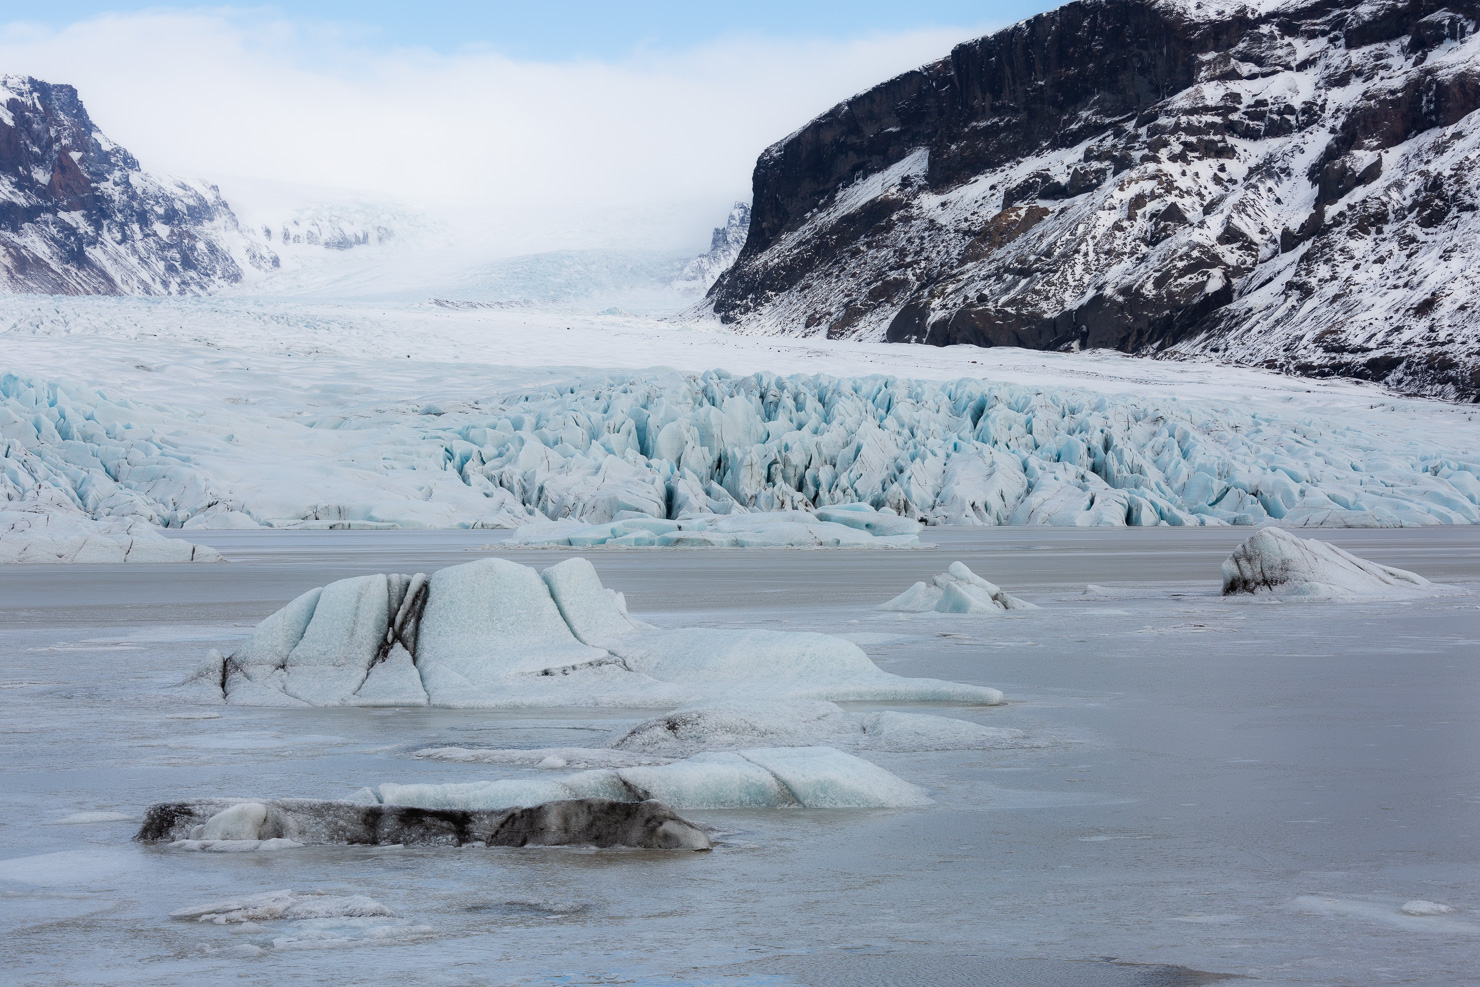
[1243, 787]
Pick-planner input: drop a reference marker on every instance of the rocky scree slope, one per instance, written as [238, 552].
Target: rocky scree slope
[1293, 186]
[79, 216]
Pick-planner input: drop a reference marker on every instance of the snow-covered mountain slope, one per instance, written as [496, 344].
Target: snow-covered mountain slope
[724, 247]
[1292, 184]
[79, 216]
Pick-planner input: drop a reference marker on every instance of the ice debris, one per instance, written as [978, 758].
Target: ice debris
[730, 724]
[957, 590]
[1275, 561]
[495, 634]
[583, 821]
[283, 905]
[769, 777]
[847, 526]
[44, 528]
[669, 445]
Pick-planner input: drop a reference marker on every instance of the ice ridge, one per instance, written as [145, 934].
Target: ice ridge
[674, 446]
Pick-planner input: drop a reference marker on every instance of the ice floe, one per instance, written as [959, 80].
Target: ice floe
[667, 445]
[496, 634]
[732, 724]
[45, 529]
[1277, 562]
[568, 822]
[957, 590]
[766, 777]
[283, 905]
[847, 526]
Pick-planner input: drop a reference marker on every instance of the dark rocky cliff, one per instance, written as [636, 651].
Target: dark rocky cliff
[1294, 186]
[79, 216]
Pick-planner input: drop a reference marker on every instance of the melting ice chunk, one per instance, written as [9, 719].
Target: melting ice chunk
[957, 590]
[1275, 561]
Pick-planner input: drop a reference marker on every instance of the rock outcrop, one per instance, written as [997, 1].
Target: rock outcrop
[78, 216]
[1293, 185]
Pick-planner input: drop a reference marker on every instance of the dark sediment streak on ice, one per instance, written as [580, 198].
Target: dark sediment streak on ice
[575, 822]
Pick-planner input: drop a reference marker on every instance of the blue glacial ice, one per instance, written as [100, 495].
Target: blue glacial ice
[670, 446]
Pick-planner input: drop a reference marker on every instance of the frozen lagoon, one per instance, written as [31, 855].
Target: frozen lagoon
[1239, 786]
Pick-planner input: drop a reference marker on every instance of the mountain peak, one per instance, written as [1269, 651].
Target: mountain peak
[78, 215]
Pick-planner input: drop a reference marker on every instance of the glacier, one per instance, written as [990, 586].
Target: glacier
[596, 448]
[843, 526]
[45, 528]
[496, 634]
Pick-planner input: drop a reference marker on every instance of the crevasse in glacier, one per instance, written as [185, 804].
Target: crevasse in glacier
[669, 446]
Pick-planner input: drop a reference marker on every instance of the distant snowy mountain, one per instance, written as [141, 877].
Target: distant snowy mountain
[79, 216]
[724, 247]
[1292, 184]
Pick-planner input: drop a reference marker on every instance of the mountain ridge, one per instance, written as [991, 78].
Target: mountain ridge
[1292, 185]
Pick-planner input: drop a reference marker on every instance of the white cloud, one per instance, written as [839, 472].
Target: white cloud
[239, 97]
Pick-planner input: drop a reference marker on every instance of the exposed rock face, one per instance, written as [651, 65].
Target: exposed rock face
[724, 247]
[1294, 186]
[580, 822]
[78, 216]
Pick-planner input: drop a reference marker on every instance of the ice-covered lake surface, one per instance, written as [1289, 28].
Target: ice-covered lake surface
[1277, 790]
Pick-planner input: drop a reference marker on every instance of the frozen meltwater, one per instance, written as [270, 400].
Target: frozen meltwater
[495, 634]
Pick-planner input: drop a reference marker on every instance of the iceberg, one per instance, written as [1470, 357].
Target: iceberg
[850, 526]
[753, 778]
[496, 634]
[957, 590]
[574, 822]
[1277, 562]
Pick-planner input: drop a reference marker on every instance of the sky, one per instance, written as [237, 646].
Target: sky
[601, 120]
